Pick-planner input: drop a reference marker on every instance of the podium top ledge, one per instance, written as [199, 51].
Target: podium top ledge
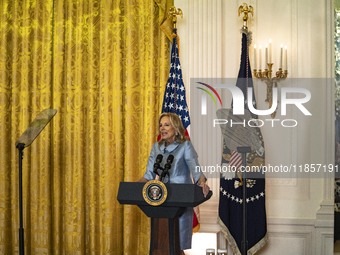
[179, 195]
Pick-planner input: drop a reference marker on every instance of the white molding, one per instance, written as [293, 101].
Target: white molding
[302, 234]
[210, 47]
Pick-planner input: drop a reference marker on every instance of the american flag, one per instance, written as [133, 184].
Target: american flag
[175, 101]
[174, 96]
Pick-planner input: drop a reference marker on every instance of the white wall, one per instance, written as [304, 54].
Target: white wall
[300, 210]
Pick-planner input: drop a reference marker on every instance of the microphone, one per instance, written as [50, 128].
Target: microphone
[167, 166]
[169, 161]
[157, 165]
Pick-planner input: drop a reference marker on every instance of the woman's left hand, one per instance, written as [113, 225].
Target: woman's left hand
[205, 188]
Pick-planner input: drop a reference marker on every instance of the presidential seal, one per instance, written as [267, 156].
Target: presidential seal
[155, 192]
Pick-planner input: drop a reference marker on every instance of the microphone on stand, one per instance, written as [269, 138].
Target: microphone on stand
[167, 166]
[157, 164]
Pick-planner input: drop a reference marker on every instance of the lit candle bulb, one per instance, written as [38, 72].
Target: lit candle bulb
[260, 58]
[286, 62]
[270, 50]
[255, 59]
[281, 53]
[266, 55]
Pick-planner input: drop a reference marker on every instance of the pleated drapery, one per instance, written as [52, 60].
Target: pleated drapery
[103, 65]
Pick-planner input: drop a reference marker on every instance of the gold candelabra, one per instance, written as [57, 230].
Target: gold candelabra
[271, 82]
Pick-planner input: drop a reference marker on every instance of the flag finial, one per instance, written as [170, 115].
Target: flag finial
[245, 9]
[174, 12]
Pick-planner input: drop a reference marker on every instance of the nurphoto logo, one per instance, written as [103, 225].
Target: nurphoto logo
[294, 96]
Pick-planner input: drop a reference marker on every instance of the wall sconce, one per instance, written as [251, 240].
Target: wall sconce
[266, 74]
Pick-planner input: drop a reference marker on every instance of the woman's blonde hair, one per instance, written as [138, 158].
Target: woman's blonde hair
[176, 122]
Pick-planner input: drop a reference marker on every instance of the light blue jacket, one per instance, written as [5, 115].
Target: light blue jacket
[184, 169]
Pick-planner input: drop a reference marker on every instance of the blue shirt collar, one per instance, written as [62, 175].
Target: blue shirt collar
[170, 148]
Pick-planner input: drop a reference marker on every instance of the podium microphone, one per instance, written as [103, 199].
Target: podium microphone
[169, 161]
[157, 164]
[167, 166]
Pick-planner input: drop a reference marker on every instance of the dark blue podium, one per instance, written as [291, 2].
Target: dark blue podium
[164, 236]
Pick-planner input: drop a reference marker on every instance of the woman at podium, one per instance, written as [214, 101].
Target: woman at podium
[173, 160]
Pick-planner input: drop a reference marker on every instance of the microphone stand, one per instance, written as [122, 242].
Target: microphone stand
[166, 168]
[25, 140]
[20, 147]
[171, 221]
[164, 173]
[244, 244]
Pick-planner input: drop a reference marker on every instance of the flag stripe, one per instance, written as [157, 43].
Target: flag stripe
[235, 160]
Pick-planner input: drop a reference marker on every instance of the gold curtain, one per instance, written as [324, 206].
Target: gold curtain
[103, 65]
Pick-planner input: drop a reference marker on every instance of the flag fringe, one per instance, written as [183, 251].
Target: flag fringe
[249, 35]
[233, 245]
[196, 228]
[168, 28]
[196, 220]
